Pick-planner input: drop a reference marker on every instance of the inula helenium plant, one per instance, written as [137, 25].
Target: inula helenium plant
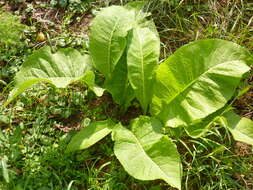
[189, 91]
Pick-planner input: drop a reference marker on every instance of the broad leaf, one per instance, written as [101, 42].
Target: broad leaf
[146, 154]
[142, 59]
[119, 86]
[135, 5]
[90, 135]
[196, 130]
[108, 37]
[60, 69]
[197, 80]
[141, 16]
[199, 129]
[89, 80]
[241, 128]
[5, 169]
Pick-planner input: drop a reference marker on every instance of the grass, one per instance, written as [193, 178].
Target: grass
[184, 21]
[37, 127]
[213, 159]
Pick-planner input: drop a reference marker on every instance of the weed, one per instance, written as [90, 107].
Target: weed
[11, 46]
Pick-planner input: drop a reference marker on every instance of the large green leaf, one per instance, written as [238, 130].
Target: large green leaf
[60, 69]
[118, 85]
[89, 80]
[141, 15]
[197, 80]
[241, 128]
[4, 168]
[90, 135]
[146, 154]
[199, 129]
[137, 6]
[108, 37]
[142, 59]
[196, 130]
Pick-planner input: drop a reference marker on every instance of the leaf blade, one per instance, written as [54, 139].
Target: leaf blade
[89, 135]
[189, 87]
[108, 37]
[146, 154]
[5, 169]
[241, 128]
[142, 59]
[199, 129]
[118, 85]
[89, 80]
[60, 69]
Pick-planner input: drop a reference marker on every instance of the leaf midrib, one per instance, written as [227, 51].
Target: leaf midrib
[142, 149]
[193, 81]
[142, 70]
[109, 46]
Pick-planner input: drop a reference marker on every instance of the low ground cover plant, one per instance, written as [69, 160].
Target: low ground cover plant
[188, 93]
[11, 33]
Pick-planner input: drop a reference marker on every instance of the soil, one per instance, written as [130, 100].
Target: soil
[48, 18]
